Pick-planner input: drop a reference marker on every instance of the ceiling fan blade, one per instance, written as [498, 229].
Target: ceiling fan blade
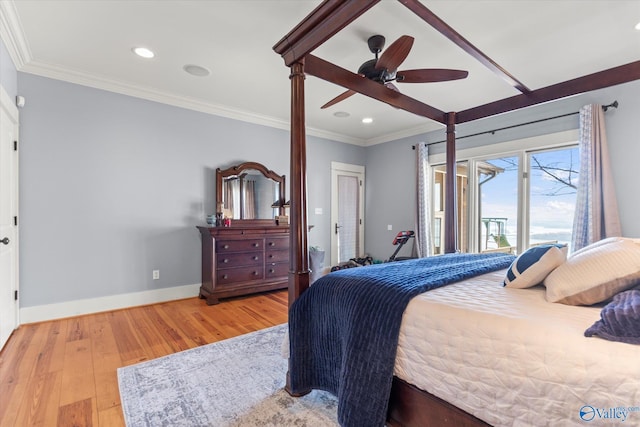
[341, 97]
[429, 75]
[393, 56]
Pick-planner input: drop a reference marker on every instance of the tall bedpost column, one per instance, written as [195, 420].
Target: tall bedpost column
[298, 250]
[451, 194]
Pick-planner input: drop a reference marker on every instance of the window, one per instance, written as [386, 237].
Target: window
[511, 196]
[552, 194]
[497, 204]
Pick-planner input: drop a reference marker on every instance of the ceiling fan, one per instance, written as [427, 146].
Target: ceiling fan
[384, 69]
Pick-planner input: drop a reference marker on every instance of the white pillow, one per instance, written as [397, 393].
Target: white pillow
[533, 265]
[596, 273]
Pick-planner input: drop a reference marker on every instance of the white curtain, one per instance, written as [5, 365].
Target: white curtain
[596, 215]
[423, 220]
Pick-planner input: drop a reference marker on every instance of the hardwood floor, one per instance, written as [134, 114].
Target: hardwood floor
[63, 372]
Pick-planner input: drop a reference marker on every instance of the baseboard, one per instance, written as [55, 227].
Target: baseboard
[41, 313]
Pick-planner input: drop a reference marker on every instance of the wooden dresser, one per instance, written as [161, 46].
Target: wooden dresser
[241, 260]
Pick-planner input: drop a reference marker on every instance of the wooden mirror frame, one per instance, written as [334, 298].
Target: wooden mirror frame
[221, 174]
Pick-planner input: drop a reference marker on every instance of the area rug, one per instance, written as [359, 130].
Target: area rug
[235, 382]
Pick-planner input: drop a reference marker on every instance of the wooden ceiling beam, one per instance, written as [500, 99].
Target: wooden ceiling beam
[443, 28]
[600, 80]
[332, 73]
[319, 26]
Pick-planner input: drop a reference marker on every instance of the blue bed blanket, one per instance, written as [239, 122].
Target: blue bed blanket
[344, 329]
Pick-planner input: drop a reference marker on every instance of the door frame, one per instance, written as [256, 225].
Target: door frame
[8, 106]
[358, 171]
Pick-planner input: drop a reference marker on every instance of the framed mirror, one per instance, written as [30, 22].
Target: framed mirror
[250, 193]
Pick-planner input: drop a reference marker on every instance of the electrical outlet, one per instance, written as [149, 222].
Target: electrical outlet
[389, 227]
[156, 274]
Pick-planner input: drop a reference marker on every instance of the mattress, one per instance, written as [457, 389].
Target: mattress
[511, 358]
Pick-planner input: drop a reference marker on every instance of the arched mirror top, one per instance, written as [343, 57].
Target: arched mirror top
[250, 193]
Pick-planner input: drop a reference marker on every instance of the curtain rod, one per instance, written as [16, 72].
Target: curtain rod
[614, 104]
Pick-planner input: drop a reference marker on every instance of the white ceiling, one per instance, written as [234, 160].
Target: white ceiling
[89, 42]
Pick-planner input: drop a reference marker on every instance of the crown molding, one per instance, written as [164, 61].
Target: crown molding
[16, 43]
[12, 34]
[405, 133]
[151, 94]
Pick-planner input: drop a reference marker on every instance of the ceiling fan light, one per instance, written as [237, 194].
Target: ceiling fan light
[367, 120]
[143, 52]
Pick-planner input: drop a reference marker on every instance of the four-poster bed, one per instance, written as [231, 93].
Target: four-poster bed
[408, 404]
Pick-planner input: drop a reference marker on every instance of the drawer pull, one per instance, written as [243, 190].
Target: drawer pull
[272, 244]
[225, 247]
[271, 270]
[270, 255]
[255, 258]
[255, 245]
[226, 260]
[224, 276]
[255, 273]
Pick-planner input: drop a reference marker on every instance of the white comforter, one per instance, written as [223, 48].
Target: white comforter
[512, 359]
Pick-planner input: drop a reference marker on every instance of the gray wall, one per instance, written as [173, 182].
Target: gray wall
[391, 166]
[112, 187]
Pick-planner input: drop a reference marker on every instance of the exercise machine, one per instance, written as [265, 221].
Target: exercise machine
[400, 239]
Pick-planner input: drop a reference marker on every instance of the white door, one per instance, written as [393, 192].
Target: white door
[8, 217]
[347, 212]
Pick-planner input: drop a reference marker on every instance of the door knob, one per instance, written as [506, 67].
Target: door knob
[5, 241]
[337, 227]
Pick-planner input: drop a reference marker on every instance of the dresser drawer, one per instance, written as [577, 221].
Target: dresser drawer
[276, 270]
[277, 256]
[238, 245]
[276, 243]
[237, 259]
[234, 275]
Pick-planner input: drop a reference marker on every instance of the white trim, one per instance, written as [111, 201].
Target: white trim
[12, 34]
[8, 105]
[346, 167]
[405, 133]
[41, 313]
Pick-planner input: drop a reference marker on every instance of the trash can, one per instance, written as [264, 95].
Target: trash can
[316, 263]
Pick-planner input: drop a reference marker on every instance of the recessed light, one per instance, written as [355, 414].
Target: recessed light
[341, 114]
[143, 52]
[196, 70]
[367, 120]
[638, 26]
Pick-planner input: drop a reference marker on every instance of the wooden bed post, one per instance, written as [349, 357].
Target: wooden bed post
[298, 250]
[451, 202]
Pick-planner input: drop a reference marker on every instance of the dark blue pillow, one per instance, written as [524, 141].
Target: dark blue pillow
[620, 319]
[533, 265]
